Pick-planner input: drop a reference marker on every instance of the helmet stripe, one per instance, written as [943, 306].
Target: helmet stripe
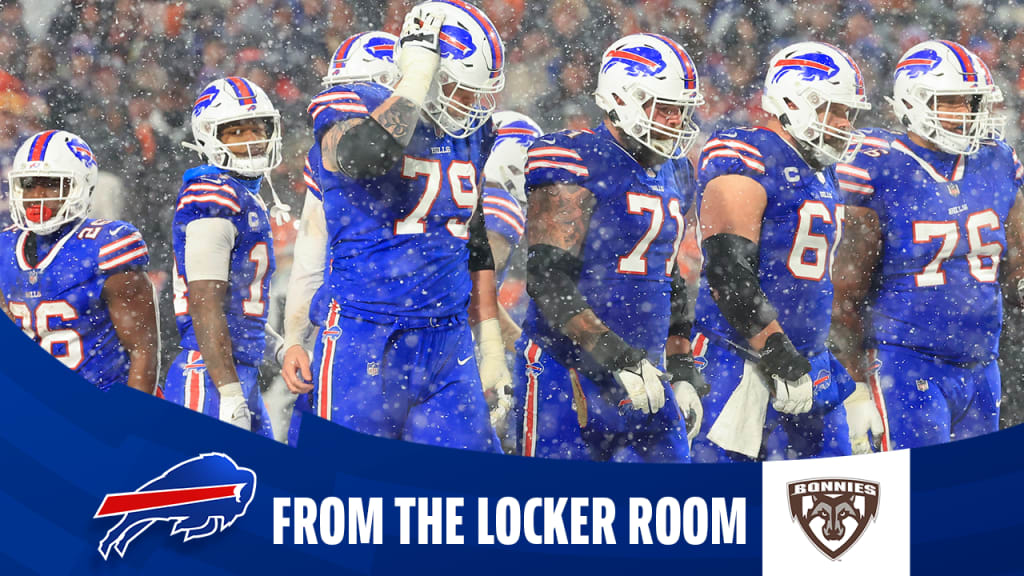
[242, 90]
[856, 69]
[38, 151]
[970, 74]
[690, 71]
[342, 52]
[480, 18]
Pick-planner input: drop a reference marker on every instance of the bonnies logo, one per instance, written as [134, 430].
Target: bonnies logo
[833, 512]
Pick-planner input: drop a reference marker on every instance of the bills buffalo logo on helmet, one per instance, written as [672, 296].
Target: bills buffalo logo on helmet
[81, 151]
[456, 43]
[918, 63]
[833, 512]
[200, 497]
[811, 66]
[204, 100]
[382, 48]
[637, 60]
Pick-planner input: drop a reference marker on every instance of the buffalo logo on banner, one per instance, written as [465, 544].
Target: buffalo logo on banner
[199, 497]
[833, 512]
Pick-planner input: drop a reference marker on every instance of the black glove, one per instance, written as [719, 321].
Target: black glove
[681, 367]
[780, 358]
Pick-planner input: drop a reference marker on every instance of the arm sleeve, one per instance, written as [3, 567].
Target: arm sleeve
[123, 249]
[308, 265]
[208, 245]
[724, 155]
[503, 214]
[550, 160]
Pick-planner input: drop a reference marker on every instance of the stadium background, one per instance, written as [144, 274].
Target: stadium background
[123, 75]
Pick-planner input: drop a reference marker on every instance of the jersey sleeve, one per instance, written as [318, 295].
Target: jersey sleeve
[1018, 170]
[857, 178]
[554, 160]
[344, 102]
[120, 248]
[727, 153]
[502, 214]
[310, 176]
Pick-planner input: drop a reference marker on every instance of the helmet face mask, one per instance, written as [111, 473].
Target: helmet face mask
[804, 83]
[365, 57]
[472, 62]
[231, 100]
[928, 78]
[642, 75]
[60, 164]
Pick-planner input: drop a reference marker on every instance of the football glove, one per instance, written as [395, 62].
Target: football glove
[689, 387]
[419, 55]
[862, 417]
[780, 359]
[233, 407]
[643, 384]
[793, 396]
[494, 374]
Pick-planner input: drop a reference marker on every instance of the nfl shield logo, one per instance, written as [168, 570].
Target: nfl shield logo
[954, 190]
[373, 368]
[33, 277]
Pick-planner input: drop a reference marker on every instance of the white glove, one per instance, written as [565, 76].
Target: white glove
[233, 407]
[418, 53]
[793, 397]
[689, 404]
[862, 416]
[643, 384]
[494, 374]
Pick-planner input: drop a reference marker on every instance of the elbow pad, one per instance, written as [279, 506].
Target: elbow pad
[731, 269]
[367, 150]
[680, 323]
[551, 276]
[480, 257]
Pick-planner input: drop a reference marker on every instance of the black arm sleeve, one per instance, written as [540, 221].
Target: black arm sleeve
[480, 257]
[680, 323]
[367, 150]
[732, 272]
[551, 277]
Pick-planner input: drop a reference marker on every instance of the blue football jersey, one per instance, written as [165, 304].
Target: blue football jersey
[936, 288]
[58, 302]
[209, 192]
[799, 233]
[399, 242]
[632, 241]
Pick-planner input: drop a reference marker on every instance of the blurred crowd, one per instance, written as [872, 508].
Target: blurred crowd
[123, 75]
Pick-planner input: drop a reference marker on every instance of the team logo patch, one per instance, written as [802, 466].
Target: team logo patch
[918, 64]
[637, 60]
[201, 496]
[381, 48]
[455, 43]
[81, 151]
[204, 100]
[331, 334]
[812, 66]
[922, 385]
[373, 368]
[833, 512]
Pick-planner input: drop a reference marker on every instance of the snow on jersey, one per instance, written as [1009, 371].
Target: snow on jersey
[399, 242]
[632, 240]
[942, 216]
[210, 192]
[58, 302]
[798, 234]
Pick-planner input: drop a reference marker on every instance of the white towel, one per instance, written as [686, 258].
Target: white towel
[740, 425]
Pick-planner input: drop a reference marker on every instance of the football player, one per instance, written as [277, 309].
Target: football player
[935, 224]
[770, 215]
[76, 285]
[407, 250]
[224, 256]
[364, 57]
[605, 221]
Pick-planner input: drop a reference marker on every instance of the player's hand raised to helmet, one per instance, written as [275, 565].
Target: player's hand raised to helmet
[418, 42]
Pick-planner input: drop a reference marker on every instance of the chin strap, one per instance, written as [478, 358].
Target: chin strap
[280, 212]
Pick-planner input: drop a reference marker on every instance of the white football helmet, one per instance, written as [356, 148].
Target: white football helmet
[472, 60]
[804, 80]
[59, 155]
[650, 68]
[365, 57]
[506, 165]
[941, 68]
[229, 100]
